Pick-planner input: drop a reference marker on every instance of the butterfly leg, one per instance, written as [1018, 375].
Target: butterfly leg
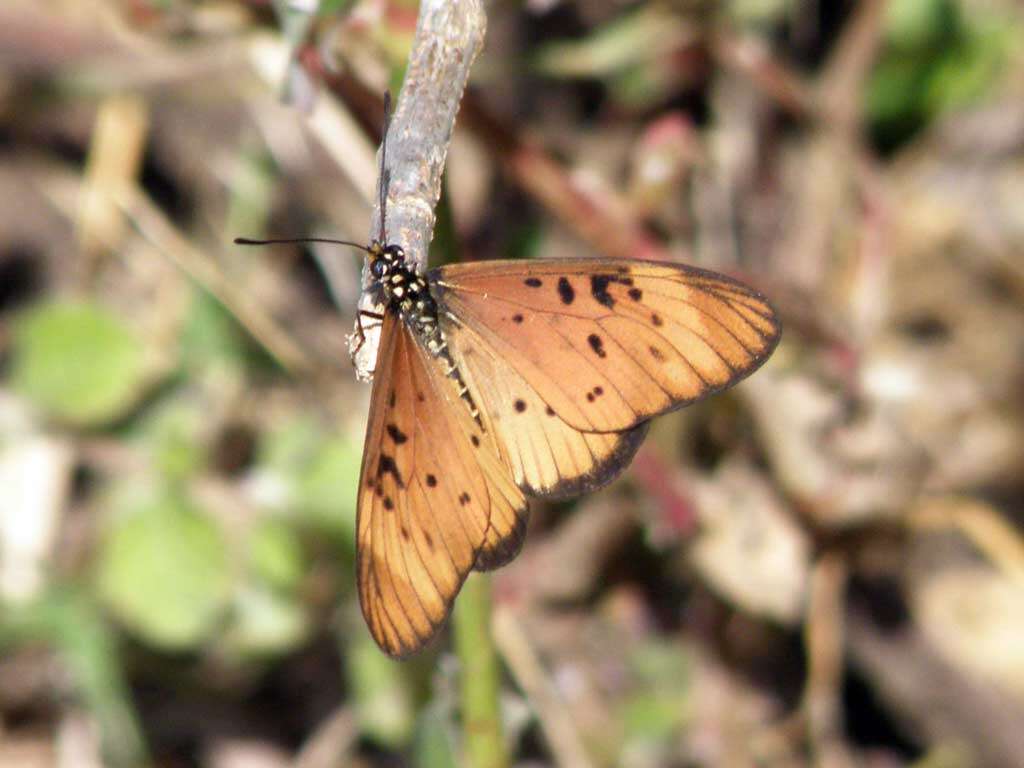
[360, 333]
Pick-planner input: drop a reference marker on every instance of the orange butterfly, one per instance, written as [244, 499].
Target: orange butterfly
[500, 380]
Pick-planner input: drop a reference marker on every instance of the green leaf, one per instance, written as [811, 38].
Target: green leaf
[211, 336]
[650, 716]
[330, 7]
[660, 705]
[163, 571]
[275, 555]
[935, 59]
[265, 622]
[971, 69]
[636, 38]
[172, 433]
[319, 473]
[920, 24]
[763, 14]
[77, 361]
[328, 486]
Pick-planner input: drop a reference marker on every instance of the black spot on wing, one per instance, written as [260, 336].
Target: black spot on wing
[597, 344]
[397, 435]
[386, 466]
[599, 290]
[520, 406]
[517, 318]
[565, 291]
[635, 294]
[431, 481]
[533, 282]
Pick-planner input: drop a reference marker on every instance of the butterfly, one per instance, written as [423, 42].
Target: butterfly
[499, 381]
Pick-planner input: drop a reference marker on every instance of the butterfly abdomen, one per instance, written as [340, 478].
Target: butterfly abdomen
[408, 293]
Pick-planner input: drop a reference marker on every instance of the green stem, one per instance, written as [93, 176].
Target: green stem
[483, 742]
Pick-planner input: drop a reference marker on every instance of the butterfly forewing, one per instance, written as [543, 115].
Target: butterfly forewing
[608, 344]
[434, 500]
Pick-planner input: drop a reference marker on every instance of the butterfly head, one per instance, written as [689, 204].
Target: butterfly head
[385, 259]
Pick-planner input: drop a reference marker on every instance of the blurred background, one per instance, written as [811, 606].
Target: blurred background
[823, 566]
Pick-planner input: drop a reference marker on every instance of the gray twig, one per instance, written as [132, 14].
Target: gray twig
[449, 35]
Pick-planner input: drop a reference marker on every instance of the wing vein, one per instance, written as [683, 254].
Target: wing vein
[434, 382]
[594, 368]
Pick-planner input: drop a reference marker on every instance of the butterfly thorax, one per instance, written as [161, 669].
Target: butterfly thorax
[405, 291]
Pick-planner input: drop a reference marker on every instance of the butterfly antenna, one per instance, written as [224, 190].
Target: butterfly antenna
[385, 174]
[289, 240]
[385, 182]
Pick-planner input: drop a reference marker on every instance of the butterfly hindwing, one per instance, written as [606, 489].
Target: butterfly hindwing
[607, 344]
[547, 456]
[434, 500]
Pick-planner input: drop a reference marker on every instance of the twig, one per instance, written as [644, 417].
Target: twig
[842, 82]
[449, 35]
[62, 188]
[606, 223]
[823, 639]
[331, 743]
[115, 157]
[996, 538]
[526, 668]
[834, 152]
[156, 228]
[751, 57]
[483, 743]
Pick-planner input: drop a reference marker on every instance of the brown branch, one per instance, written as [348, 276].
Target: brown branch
[525, 666]
[752, 58]
[449, 35]
[606, 224]
[823, 639]
[842, 82]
